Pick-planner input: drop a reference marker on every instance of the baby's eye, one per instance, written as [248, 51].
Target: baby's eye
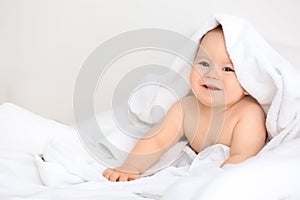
[204, 63]
[227, 69]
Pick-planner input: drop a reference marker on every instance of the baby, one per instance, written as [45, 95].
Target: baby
[219, 112]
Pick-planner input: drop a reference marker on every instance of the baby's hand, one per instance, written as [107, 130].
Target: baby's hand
[118, 174]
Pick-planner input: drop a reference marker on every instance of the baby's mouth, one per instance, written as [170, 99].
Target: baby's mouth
[211, 87]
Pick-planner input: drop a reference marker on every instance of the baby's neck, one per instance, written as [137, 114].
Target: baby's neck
[212, 109]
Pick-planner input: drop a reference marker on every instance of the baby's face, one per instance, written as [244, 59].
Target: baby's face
[213, 78]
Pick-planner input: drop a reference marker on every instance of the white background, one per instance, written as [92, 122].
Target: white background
[44, 43]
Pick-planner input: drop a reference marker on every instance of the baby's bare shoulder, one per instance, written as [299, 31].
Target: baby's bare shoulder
[249, 107]
[183, 105]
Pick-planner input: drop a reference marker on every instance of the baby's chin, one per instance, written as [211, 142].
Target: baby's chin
[215, 102]
[214, 105]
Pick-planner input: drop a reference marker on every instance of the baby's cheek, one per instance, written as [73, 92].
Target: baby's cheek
[195, 75]
[193, 80]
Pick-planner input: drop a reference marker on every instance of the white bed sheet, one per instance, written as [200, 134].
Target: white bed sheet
[71, 173]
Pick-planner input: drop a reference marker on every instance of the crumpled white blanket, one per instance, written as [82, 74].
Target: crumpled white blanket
[64, 164]
[273, 175]
[67, 173]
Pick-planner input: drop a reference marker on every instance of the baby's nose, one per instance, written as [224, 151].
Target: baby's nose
[212, 73]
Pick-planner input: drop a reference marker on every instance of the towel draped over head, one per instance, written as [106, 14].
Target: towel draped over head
[261, 71]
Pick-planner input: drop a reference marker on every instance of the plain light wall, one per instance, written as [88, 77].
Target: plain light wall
[44, 43]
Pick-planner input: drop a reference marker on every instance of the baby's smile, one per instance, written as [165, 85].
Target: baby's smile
[211, 87]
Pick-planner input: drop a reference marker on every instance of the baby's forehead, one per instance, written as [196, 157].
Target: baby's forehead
[201, 52]
[212, 46]
[218, 31]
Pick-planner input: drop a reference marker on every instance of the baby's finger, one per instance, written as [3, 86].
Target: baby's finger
[114, 176]
[107, 172]
[133, 177]
[123, 177]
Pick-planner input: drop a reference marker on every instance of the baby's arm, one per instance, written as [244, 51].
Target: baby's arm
[150, 148]
[249, 135]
